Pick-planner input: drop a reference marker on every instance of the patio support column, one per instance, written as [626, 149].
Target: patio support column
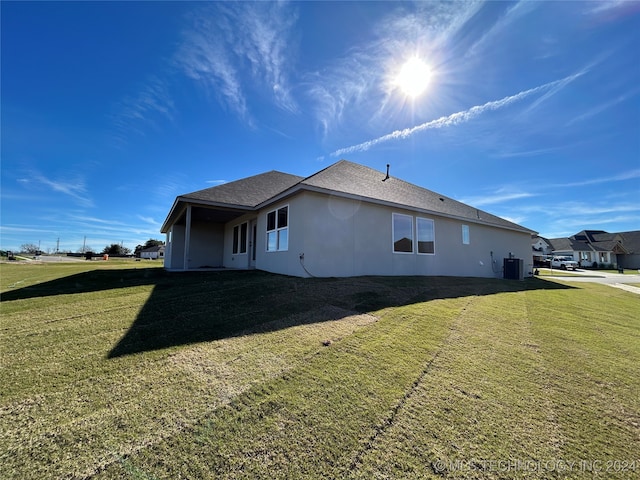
[187, 238]
[167, 253]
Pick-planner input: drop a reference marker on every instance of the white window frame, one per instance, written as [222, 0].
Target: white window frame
[393, 233]
[433, 231]
[238, 248]
[466, 238]
[277, 230]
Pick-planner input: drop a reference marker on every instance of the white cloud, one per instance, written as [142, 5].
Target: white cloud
[72, 187]
[515, 12]
[498, 197]
[564, 218]
[204, 58]
[149, 220]
[604, 6]
[602, 107]
[630, 175]
[232, 46]
[529, 153]
[265, 41]
[343, 85]
[6, 229]
[579, 208]
[135, 113]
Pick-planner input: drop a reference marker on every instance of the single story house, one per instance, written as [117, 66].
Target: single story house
[599, 248]
[153, 253]
[345, 220]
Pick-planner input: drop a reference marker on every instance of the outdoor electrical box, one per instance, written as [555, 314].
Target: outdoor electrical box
[513, 269]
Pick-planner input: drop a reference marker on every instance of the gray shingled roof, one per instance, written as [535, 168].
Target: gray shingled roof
[566, 244]
[248, 192]
[598, 241]
[354, 179]
[342, 177]
[631, 241]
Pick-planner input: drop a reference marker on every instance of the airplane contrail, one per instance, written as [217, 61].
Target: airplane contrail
[460, 117]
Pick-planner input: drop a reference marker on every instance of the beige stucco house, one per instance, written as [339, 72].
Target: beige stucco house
[594, 248]
[345, 220]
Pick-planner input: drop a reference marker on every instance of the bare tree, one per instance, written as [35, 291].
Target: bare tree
[29, 248]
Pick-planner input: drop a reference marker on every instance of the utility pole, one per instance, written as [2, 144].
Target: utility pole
[58, 245]
[84, 245]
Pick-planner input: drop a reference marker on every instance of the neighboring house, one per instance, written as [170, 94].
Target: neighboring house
[345, 220]
[541, 250]
[153, 253]
[597, 247]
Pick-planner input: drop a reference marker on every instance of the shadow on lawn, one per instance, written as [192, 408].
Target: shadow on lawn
[198, 307]
[91, 281]
[192, 307]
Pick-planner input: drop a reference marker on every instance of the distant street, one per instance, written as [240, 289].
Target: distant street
[51, 258]
[619, 280]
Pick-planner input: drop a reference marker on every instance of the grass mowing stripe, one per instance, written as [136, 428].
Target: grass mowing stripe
[311, 421]
[479, 401]
[161, 398]
[210, 387]
[390, 420]
[593, 372]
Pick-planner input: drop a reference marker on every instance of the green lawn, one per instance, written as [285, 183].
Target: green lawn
[121, 370]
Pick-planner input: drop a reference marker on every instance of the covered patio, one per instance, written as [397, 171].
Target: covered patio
[196, 238]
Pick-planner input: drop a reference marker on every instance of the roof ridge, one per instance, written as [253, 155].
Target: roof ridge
[398, 191]
[240, 180]
[324, 169]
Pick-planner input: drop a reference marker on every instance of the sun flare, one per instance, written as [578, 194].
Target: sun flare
[414, 77]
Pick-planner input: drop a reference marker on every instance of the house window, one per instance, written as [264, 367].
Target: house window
[402, 233]
[278, 230]
[465, 234]
[426, 236]
[604, 257]
[240, 238]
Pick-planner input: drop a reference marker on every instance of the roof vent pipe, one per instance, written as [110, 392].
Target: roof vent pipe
[387, 177]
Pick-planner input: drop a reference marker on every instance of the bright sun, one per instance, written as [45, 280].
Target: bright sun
[414, 77]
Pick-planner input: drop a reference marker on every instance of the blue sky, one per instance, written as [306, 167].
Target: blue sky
[110, 110]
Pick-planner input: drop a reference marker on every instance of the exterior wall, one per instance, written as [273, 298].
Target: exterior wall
[284, 262]
[152, 255]
[206, 249]
[629, 261]
[345, 237]
[607, 258]
[584, 258]
[174, 259]
[237, 260]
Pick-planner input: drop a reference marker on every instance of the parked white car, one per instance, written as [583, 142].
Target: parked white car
[564, 263]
